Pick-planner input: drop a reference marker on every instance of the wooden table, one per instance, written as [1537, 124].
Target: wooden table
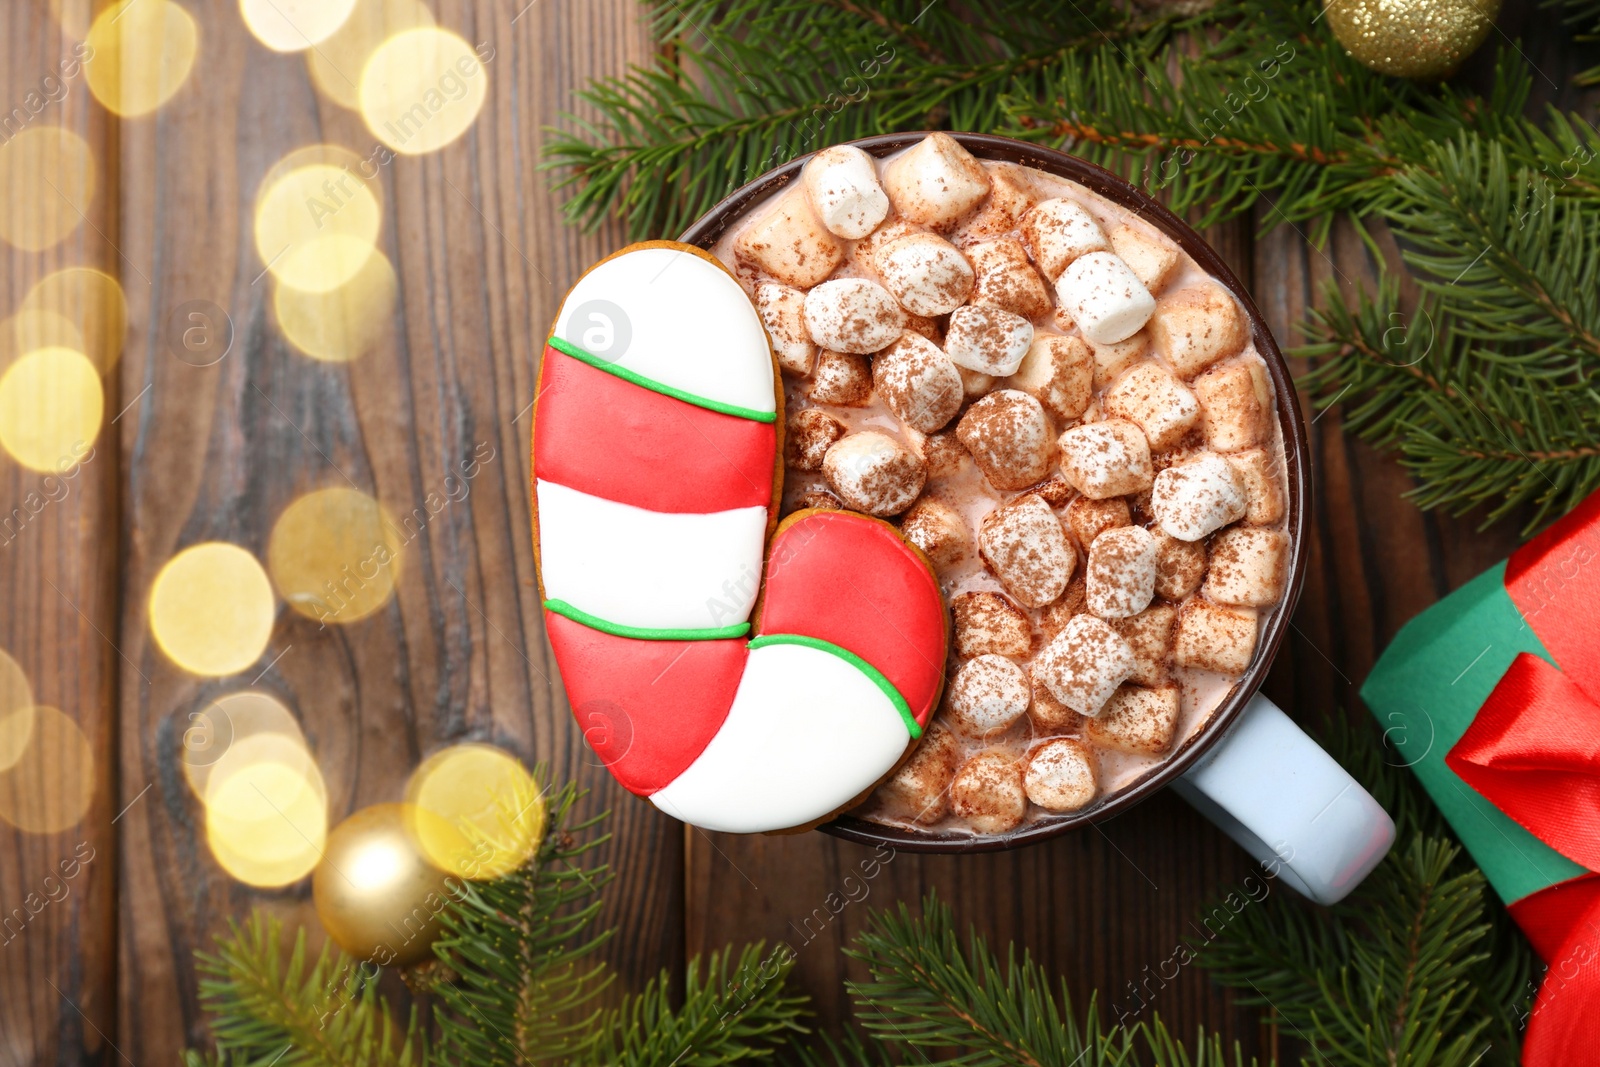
[106, 975]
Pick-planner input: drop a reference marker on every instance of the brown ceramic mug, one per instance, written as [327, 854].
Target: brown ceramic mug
[1248, 768]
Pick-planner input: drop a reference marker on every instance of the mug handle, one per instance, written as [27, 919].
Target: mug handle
[1289, 804]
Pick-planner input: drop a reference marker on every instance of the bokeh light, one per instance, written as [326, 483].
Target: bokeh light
[216, 728]
[32, 329]
[51, 404]
[16, 711]
[211, 609]
[73, 15]
[51, 785]
[316, 221]
[334, 555]
[47, 177]
[143, 53]
[422, 89]
[266, 810]
[480, 813]
[336, 64]
[93, 302]
[294, 25]
[344, 323]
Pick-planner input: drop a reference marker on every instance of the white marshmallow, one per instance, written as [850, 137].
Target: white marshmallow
[1106, 458]
[938, 530]
[1197, 326]
[843, 183]
[1006, 280]
[1259, 473]
[790, 243]
[1061, 775]
[987, 792]
[1214, 637]
[1088, 518]
[1150, 258]
[1149, 634]
[987, 695]
[936, 182]
[783, 314]
[1139, 721]
[874, 473]
[1105, 299]
[1024, 545]
[1058, 371]
[919, 789]
[841, 378]
[811, 432]
[1163, 407]
[918, 382]
[988, 340]
[1009, 437]
[985, 621]
[1235, 402]
[1011, 194]
[852, 315]
[926, 273]
[1058, 231]
[1120, 578]
[1197, 498]
[1180, 566]
[1249, 567]
[1084, 664]
[1112, 359]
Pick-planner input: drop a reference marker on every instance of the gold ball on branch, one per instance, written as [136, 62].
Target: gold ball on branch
[1411, 38]
[375, 892]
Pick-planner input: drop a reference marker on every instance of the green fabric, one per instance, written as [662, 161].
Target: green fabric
[645, 633]
[1426, 689]
[854, 660]
[654, 386]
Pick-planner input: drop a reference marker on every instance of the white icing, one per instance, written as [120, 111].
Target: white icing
[676, 319]
[636, 567]
[807, 733]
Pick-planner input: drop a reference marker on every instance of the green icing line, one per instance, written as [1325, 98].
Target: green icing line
[654, 386]
[1427, 688]
[855, 661]
[645, 633]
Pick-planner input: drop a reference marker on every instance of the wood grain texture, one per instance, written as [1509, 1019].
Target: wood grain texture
[58, 583]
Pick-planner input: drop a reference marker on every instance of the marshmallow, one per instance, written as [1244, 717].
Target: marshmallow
[873, 473]
[936, 182]
[843, 183]
[842, 378]
[1106, 301]
[1088, 519]
[987, 695]
[1195, 327]
[1005, 279]
[1120, 577]
[1084, 664]
[1055, 491]
[1112, 359]
[1149, 395]
[1024, 545]
[918, 789]
[852, 315]
[1106, 458]
[1009, 437]
[1249, 567]
[1259, 473]
[974, 384]
[987, 792]
[790, 243]
[1150, 258]
[938, 530]
[1180, 566]
[1190, 448]
[1214, 637]
[986, 622]
[1047, 714]
[1054, 618]
[1149, 634]
[1235, 405]
[820, 498]
[1060, 775]
[1137, 721]
[929, 328]
[1058, 232]
[783, 314]
[1058, 371]
[987, 340]
[925, 273]
[1196, 498]
[1011, 194]
[918, 382]
[811, 433]
[943, 454]
[866, 248]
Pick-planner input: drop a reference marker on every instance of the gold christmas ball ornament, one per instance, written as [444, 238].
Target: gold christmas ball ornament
[1411, 38]
[375, 892]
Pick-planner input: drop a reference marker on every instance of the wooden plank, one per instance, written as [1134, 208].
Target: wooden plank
[217, 452]
[58, 548]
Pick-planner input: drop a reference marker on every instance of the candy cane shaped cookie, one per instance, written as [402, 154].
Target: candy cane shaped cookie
[656, 482]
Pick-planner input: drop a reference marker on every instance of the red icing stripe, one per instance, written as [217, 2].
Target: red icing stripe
[646, 708]
[851, 580]
[598, 434]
